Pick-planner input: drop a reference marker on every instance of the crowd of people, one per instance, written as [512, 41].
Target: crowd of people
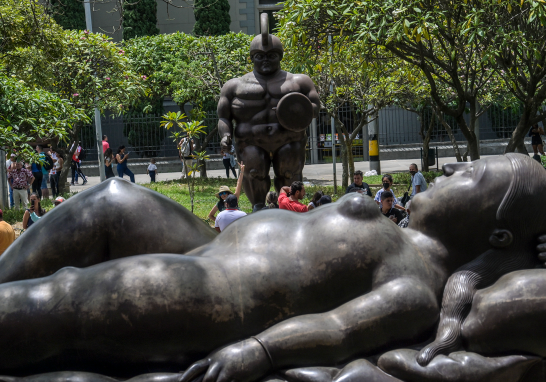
[290, 198]
[23, 178]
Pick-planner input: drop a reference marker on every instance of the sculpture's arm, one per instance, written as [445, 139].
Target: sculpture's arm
[399, 310]
[308, 88]
[459, 293]
[225, 126]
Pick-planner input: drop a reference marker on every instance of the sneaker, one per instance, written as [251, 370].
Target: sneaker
[76, 183]
[71, 183]
[84, 182]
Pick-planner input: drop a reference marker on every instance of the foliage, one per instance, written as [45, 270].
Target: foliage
[140, 19]
[27, 115]
[30, 41]
[69, 14]
[211, 17]
[430, 35]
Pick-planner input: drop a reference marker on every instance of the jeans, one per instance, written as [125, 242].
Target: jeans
[152, 176]
[122, 169]
[11, 203]
[54, 180]
[37, 184]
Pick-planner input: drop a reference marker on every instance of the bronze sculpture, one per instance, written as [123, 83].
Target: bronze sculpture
[272, 109]
[295, 303]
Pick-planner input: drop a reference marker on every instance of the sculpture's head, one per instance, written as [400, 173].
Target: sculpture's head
[495, 202]
[266, 50]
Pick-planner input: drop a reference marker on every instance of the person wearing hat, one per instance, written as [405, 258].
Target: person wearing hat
[7, 234]
[224, 192]
[59, 200]
[254, 102]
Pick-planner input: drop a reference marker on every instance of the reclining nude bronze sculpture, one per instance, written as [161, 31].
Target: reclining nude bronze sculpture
[279, 290]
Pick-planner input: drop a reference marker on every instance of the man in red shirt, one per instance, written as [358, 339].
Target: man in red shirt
[288, 199]
[105, 144]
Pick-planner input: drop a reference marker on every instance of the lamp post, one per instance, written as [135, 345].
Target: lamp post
[98, 126]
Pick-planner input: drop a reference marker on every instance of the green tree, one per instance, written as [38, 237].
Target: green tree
[94, 72]
[69, 14]
[429, 34]
[27, 115]
[211, 17]
[140, 19]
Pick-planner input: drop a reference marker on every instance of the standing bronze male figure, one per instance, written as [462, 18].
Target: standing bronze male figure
[272, 109]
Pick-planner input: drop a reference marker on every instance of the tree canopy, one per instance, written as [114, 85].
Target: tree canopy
[211, 17]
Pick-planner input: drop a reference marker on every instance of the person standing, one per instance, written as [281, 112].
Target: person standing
[227, 160]
[45, 171]
[55, 172]
[37, 172]
[418, 182]
[10, 165]
[186, 146]
[229, 215]
[105, 144]
[290, 196]
[108, 160]
[19, 180]
[121, 158]
[358, 185]
[7, 234]
[152, 170]
[76, 165]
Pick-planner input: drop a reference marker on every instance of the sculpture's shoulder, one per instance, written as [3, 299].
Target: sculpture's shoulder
[302, 80]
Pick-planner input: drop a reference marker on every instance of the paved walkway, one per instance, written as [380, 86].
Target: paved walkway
[319, 173]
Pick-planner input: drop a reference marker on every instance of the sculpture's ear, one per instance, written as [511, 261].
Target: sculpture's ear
[501, 238]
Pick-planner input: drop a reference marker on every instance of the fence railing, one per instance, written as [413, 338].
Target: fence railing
[143, 135]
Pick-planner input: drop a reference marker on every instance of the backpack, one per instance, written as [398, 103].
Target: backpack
[185, 148]
[83, 154]
[48, 162]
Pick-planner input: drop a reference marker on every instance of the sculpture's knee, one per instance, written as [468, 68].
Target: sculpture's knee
[257, 174]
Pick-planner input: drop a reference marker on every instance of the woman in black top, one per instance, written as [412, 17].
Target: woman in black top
[108, 159]
[536, 139]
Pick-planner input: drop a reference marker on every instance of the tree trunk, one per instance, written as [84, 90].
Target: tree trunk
[518, 135]
[426, 142]
[343, 139]
[472, 142]
[450, 133]
[350, 159]
[74, 137]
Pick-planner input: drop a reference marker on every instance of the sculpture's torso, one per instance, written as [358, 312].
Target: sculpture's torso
[252, 107]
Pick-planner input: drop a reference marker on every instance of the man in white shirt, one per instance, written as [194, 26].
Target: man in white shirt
[229, 215]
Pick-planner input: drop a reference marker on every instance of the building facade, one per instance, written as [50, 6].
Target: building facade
[177, 16]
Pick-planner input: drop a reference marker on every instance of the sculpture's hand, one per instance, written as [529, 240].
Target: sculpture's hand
[541, 248]
[225, 143]
[243, 361]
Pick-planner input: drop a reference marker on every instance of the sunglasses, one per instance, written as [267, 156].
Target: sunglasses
[223, 193]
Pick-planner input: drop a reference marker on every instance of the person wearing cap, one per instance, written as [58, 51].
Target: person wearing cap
[224, 192]
[58, 201]
[229, 215]
[7, 234]
[251, 101]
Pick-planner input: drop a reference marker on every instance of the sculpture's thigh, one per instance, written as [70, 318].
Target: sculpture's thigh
[288, 164]
[256, 181]
[508, 316]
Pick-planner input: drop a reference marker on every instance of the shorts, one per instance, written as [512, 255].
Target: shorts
[535, 141]
[44, 182]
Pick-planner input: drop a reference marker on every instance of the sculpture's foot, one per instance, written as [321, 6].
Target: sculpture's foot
[457, 367]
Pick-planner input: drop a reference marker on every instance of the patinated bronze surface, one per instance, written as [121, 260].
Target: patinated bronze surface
[297, 297]
[265, 135]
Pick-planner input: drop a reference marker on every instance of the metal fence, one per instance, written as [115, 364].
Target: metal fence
[143, 135]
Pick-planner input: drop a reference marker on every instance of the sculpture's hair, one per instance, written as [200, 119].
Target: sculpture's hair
[524, 197]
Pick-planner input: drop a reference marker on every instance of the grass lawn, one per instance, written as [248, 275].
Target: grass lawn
[205, 190]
